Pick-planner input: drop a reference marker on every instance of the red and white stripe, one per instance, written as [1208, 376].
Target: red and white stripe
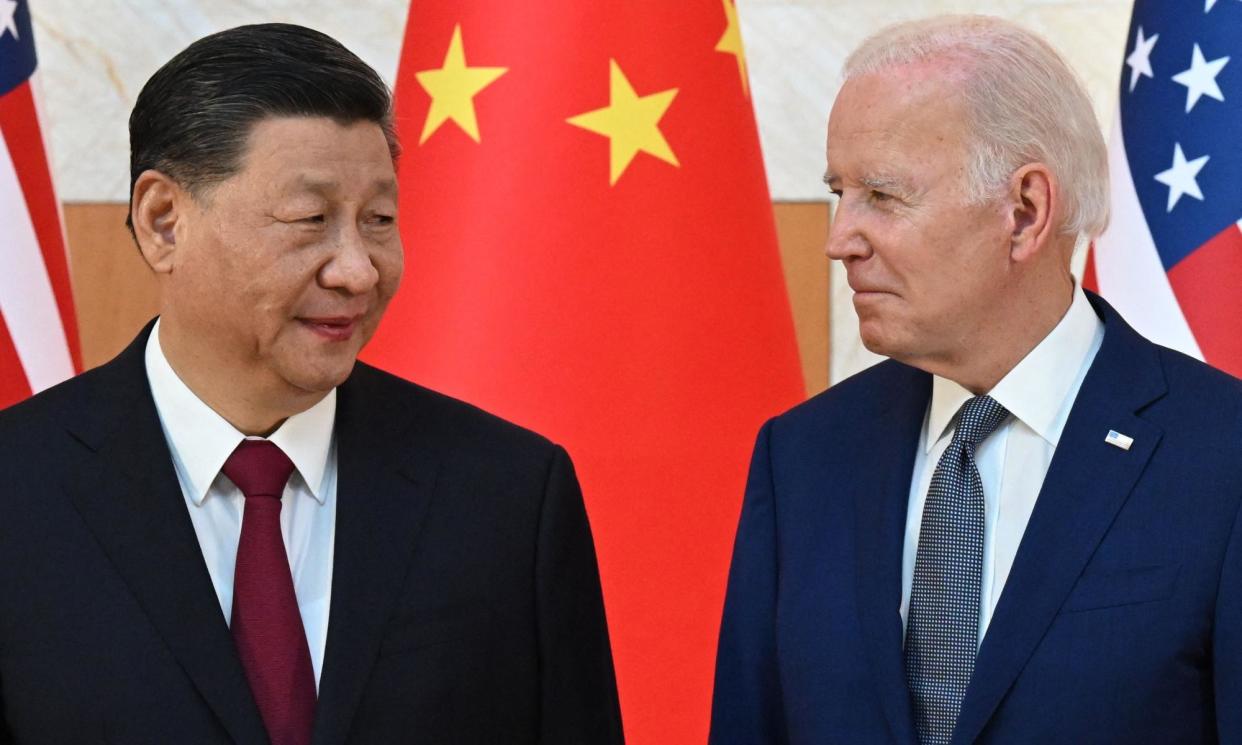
[1194, 307]
[38, 329]
[1128, 269]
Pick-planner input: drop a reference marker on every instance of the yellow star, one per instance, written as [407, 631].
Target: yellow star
[731, 43]
[630, 122]
[452, 89]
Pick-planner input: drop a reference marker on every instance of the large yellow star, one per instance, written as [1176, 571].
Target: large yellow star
[630, 122]
[452, 89]
[731, 43]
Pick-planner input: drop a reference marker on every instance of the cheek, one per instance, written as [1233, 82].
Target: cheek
[206, 277]
[390, 264]
[278, 282]
[271, 298]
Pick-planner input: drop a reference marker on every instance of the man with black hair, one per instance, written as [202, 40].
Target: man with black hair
[234, 532]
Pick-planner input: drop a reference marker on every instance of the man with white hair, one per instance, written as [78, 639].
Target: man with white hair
[1023, 528]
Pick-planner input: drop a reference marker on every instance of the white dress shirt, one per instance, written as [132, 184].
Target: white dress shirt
[201, 440]
[1038, 392]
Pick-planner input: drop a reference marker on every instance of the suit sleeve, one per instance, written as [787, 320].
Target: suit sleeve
[746, 704]
[1227, 642]
[578, 690]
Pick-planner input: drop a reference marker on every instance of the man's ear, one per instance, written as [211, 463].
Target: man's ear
[1033, 199]
[157, 204]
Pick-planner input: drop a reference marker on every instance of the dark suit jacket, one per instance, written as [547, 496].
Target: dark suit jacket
[466, 602]
[1120, 622]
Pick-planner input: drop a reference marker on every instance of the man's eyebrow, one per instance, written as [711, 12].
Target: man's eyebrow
[323, 187]
[317, 185]
[386, 186]
[885, 182]
[873, 182]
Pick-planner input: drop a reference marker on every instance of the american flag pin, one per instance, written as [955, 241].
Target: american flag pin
[1119, 440]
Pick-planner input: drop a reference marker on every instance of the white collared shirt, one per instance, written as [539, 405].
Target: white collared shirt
[201, 440]
[1039, 393]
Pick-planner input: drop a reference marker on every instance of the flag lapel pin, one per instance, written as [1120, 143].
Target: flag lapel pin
[1117, 439]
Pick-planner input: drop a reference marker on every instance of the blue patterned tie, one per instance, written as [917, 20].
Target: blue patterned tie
[942, 627]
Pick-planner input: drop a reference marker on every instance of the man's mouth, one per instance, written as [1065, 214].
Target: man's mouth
[333, 328]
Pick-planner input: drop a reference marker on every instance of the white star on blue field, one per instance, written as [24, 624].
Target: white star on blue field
[1181, 112]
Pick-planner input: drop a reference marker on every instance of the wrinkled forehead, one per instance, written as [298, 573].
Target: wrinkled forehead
[898, 116]
[901, 92]
[303, 148]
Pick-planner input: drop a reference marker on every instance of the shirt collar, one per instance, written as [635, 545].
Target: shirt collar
[202, 440]
[1040, 390]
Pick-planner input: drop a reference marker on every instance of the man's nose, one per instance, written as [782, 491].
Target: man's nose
[351, 267]
[845, 236]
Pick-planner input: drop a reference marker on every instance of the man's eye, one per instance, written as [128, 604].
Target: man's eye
[319, 219]
[879, 196]
[383, 219]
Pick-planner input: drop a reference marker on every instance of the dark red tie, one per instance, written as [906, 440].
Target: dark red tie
[267, 627]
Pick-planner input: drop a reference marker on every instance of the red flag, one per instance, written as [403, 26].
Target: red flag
[38, 329]
[591, 253]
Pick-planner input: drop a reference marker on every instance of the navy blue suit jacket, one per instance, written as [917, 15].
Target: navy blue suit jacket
[1120, 622]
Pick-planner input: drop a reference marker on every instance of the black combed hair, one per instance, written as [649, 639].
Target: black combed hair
[193, 118]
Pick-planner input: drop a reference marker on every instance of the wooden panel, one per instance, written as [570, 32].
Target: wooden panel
[114, 290]
[116, 293]
[802, 229]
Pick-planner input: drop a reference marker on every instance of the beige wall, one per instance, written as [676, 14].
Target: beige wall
[95, 56]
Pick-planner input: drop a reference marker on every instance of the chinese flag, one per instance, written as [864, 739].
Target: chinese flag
[591, 253]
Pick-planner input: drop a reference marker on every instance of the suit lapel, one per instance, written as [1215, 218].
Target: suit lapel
[1087, 483]
[882, 493]
[129, 497]
[387, 474]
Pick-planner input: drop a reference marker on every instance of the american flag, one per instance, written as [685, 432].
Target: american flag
[1171, 260]
[38, 329]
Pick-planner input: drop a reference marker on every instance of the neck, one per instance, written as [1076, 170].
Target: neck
[1003, 341]
[240, 395]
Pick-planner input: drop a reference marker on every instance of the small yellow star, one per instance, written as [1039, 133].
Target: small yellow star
[731, 43]
[630, 122]
[452, 89]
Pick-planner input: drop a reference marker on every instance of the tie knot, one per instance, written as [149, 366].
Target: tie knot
[259, 468]
[980, 417]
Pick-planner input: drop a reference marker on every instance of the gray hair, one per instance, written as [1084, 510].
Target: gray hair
[1024, 103]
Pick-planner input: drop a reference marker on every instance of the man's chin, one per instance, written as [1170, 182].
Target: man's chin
[874, 337]
[320, 378]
